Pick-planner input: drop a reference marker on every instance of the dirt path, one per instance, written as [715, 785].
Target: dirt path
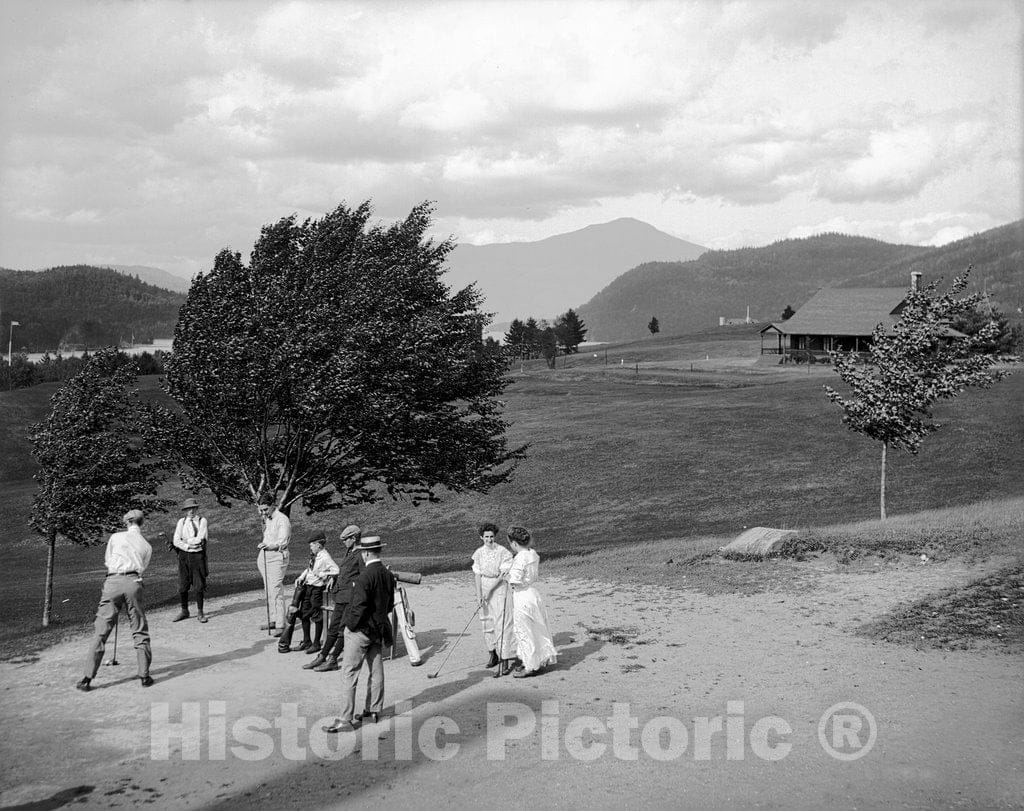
[675, 665]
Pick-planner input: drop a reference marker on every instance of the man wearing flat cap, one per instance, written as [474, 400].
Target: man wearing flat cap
[367, 630]
[308, 597]
[127, 556]
[349, 569]
[190, 536]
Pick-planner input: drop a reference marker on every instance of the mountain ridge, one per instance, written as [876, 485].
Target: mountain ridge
[690, 296]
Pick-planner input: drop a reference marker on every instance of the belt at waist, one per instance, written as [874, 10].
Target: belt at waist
[123, 574]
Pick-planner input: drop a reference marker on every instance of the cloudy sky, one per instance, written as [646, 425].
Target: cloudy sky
[157, 133]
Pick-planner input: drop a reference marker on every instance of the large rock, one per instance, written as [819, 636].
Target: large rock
[756, 542]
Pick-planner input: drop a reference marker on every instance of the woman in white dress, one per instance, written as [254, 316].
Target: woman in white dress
[533, 639]
[490, 561]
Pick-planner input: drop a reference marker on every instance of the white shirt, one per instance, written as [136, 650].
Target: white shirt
[323, 567]
[277, 531]
[127, 551]
[190, 534]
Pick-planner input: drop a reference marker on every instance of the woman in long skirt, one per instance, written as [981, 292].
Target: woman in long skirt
[533, 638]
[490, 561]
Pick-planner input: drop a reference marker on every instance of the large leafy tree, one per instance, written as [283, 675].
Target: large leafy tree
[94, 465]
[912, 366]
[335, 367]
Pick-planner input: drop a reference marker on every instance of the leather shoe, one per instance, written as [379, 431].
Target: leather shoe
[314, 648]
[493, 660]
[371, 717]
[182, 615]
[284, 649]
[303, 647]
[417, 663]
[315, 663]
[341, 726]
[85, 685]
[147, 681]
[202, 618]
[329, 664]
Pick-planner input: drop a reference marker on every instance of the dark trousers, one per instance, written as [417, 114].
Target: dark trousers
[309, 600]
[191, 574]
[334, 643]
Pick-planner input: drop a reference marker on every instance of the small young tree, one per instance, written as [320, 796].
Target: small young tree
[653, 326]
[912, 367]
[93, 465]
[788, 313]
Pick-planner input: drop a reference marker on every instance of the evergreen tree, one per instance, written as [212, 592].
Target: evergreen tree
[788, 313]
[571, 331]
[652, 326]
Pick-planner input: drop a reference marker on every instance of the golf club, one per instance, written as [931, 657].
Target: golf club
[434, 674]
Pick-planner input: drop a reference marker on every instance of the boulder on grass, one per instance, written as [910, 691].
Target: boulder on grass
[755, 543]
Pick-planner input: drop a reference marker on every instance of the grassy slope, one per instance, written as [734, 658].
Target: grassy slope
[611, 464]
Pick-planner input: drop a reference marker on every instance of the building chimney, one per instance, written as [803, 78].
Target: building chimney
[915, 281]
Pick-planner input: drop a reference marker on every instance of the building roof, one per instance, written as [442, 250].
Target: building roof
[851, 311]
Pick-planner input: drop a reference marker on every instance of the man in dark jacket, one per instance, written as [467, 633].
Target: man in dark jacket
[350, 567]
[367, 629]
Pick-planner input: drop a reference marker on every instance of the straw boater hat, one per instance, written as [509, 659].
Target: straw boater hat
[371, 543]
[189, 503]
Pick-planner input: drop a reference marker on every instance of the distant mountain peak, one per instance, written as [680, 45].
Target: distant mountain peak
[547, 277]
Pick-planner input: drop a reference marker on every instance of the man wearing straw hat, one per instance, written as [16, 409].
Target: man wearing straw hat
[190, 537]
[126, 558]
[367, 630]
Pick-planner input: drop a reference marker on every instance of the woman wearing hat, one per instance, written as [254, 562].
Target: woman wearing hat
[190, 545]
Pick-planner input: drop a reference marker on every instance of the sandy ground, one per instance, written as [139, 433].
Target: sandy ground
[949, 726]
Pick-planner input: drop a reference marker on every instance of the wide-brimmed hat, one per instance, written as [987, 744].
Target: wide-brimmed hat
[371, 543]
[317, 536]
[189, 503]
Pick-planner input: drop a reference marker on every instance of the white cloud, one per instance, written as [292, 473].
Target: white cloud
[192, 124]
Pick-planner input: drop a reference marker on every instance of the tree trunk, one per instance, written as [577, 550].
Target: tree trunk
[48, 598]
[881, 491]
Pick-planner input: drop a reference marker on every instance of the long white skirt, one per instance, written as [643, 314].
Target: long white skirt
[533, 638]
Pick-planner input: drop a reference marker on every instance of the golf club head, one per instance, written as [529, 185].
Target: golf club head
[111, 662]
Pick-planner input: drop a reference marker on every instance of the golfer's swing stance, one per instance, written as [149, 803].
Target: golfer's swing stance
[127, 556]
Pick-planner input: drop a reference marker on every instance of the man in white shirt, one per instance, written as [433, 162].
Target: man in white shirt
[127, 556]
[190, 536]
[272, 561]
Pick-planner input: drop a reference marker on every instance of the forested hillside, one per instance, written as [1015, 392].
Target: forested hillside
[83, 307]
[997, 257]
[690, 296]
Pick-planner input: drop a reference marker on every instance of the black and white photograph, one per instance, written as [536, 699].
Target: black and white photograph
[568, 404]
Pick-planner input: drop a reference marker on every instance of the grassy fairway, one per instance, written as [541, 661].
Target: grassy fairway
[611, 463]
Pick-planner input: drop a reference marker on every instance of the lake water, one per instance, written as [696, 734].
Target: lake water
[161, 344]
